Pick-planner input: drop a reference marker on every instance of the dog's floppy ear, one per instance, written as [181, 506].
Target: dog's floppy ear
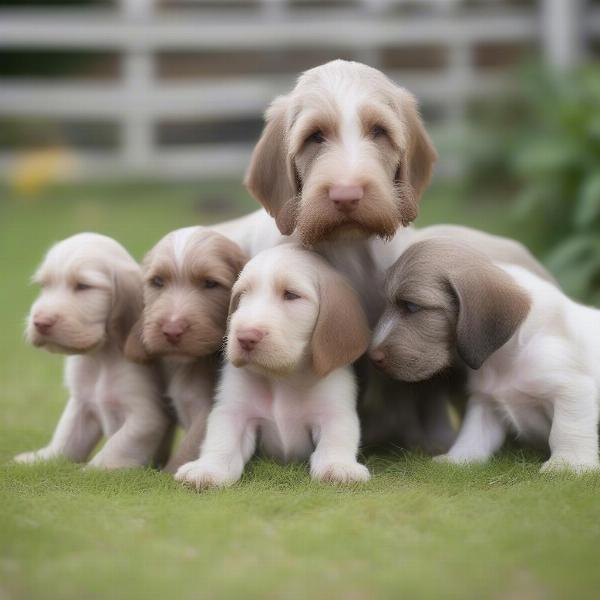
[491, 306]
[236, 258]
[134, 345]
[270, 177]
[127, 301]
[341, 334]
[235, 301]
[417, 163]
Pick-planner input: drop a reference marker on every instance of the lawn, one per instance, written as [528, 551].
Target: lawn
[417, 530]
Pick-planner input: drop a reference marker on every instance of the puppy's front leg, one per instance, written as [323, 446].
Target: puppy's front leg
[230, 442]
[337, 437]
[574, 432]
[136, 442]
[481, 434]
[75, 436]
[189, 448]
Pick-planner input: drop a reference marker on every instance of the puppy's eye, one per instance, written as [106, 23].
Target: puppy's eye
[81, 287]
[209, 284]
[317, 137]
[377, 131]
[287, 295]
[157, 282]
[410, 307]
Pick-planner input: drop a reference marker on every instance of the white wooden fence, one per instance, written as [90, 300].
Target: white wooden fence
[138, 31]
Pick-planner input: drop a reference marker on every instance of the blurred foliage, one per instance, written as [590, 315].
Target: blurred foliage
[545, 149]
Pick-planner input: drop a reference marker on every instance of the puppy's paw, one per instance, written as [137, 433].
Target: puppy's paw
[35, 456]
[109, 463]
[203, 476]
[457, 459]
[558, 464]
[442, 458]
[340, 472]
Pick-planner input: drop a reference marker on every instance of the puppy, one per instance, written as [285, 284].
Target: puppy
[531, 352]
[295, 327]
[188, 278]
[409, 419]
[91, 295]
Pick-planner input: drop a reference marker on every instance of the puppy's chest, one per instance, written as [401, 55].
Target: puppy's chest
[190, 389]
[96, 386]
[285, 426]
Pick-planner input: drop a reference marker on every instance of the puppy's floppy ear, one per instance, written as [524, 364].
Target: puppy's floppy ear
[127, 301]
[134, 344]
[235, 257]
[491, 306]
[341, 334]
[270, 177]
[234, 302]
[417, 164]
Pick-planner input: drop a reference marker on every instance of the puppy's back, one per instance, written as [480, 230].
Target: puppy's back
[497, 248]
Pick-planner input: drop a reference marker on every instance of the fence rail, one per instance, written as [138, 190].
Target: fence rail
[139, 99]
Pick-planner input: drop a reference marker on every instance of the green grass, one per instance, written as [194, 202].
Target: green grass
[417, 530]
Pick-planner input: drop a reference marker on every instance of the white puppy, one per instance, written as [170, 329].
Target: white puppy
[295, 327]
[544, 384]
[91, 295]
[531, 352]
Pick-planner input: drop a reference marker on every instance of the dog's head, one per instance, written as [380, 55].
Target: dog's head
[445, 302]
[91, 293]
[289, 310]
[188, 278]
[345, 154]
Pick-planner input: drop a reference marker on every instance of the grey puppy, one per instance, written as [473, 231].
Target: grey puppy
[424, 335]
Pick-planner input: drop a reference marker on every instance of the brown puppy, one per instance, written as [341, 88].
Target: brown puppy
[188, 278]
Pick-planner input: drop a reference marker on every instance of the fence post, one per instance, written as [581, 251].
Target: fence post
[460, 71]
[562, 32]
[138, 75]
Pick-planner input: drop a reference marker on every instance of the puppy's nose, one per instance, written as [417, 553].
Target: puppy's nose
[44, 324]
[173, 330]
[346, 197]
[248, 338]
[378, 357]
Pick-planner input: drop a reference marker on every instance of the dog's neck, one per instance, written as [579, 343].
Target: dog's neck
[301, 376]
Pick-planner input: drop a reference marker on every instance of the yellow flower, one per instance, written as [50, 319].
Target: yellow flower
[36, 169]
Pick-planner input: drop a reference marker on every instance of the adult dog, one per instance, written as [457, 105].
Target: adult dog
[341, 166]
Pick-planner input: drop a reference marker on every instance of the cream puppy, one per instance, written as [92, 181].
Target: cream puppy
[188, 277]
[531, 352]
[91, 295]
[295, 327]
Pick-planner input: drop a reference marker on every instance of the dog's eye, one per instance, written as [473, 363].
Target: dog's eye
[210, 284]
[410, 307]
[287, 295]
[81, 287]
[157, 282]
[317, 137]
[377, 131]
